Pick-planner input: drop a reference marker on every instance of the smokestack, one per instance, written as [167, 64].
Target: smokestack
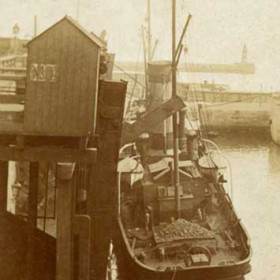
[160, 90]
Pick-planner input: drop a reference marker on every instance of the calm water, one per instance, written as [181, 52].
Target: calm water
[255, 166]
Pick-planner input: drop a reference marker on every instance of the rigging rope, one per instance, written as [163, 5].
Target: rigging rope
[130, 76]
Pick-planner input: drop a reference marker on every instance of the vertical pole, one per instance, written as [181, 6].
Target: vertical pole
[46, 195]
[35, 26]
[32, 218]
[3, 186]
[182, 133]
[175, 129]
[145, 65]
[65, 201]
[78, 10]
[149, 29]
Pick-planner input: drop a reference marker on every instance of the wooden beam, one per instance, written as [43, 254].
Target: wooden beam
[82, 230]
[3, 186]
[158, 115]
[13, 69]
[32, 218]
[64, 219]
[12, 98]
[50, 154]
[10, 127]
[12, 77]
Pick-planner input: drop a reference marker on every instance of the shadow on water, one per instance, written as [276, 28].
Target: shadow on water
[242, 140]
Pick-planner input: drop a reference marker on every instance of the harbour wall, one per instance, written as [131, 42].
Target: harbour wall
[229, 110]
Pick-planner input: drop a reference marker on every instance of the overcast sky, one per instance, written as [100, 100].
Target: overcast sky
[217, 32]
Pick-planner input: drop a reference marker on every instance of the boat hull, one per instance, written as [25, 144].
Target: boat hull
[131, 268]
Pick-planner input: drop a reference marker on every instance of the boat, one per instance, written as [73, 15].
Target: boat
[208, 241]
[175, 219]
[275, 118]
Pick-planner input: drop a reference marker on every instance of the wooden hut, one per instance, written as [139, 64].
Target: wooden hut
[62, 81]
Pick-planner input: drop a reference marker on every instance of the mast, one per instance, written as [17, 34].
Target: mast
[149, 29]
[35, 25]
[78, 10]
[175, 129]
[147, 50]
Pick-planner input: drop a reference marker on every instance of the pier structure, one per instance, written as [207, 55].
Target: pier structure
[59, 144]
[228, 110]
[243, 67]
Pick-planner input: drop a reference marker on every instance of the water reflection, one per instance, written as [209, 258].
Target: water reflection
[274, 159]
[255, 162]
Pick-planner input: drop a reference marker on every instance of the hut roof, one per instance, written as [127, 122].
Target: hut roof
[90, 35]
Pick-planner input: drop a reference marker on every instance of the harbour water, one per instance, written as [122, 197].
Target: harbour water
[255, 167]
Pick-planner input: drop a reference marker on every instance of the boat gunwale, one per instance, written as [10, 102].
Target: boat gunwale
[229, 265]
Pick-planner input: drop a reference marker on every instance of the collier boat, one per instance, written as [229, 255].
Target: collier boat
[175, 219]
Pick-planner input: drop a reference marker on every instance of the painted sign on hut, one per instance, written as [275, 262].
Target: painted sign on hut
[62, 81]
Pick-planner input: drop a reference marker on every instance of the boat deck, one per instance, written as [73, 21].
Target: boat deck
[223, 247]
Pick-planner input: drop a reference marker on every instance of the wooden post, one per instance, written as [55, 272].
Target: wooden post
[65, 202]
[3, 186]
[82, 232]
[32, 218]
[103, 177]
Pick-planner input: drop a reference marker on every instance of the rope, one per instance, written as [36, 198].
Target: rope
[130, 76]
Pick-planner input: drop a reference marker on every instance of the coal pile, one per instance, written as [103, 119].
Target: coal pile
[181, 229]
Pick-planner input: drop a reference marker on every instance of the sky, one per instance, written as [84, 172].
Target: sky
[217, 32]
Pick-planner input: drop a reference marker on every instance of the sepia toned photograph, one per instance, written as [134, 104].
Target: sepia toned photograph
[139, 140]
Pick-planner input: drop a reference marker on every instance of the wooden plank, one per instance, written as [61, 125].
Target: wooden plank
[9, 77]
[65, 202]
[82, 228]
[70, 120]
[13, 69]
[11, 122]
[3, 186]
[79, 78]
[10, 128]
[56, 56]
[12, 98]
[32, 219]
[153, 118]
[11, 115]
[43, 91]
[51, 154]
[88, 86]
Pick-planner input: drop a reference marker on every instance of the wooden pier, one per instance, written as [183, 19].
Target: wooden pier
[65, 130]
